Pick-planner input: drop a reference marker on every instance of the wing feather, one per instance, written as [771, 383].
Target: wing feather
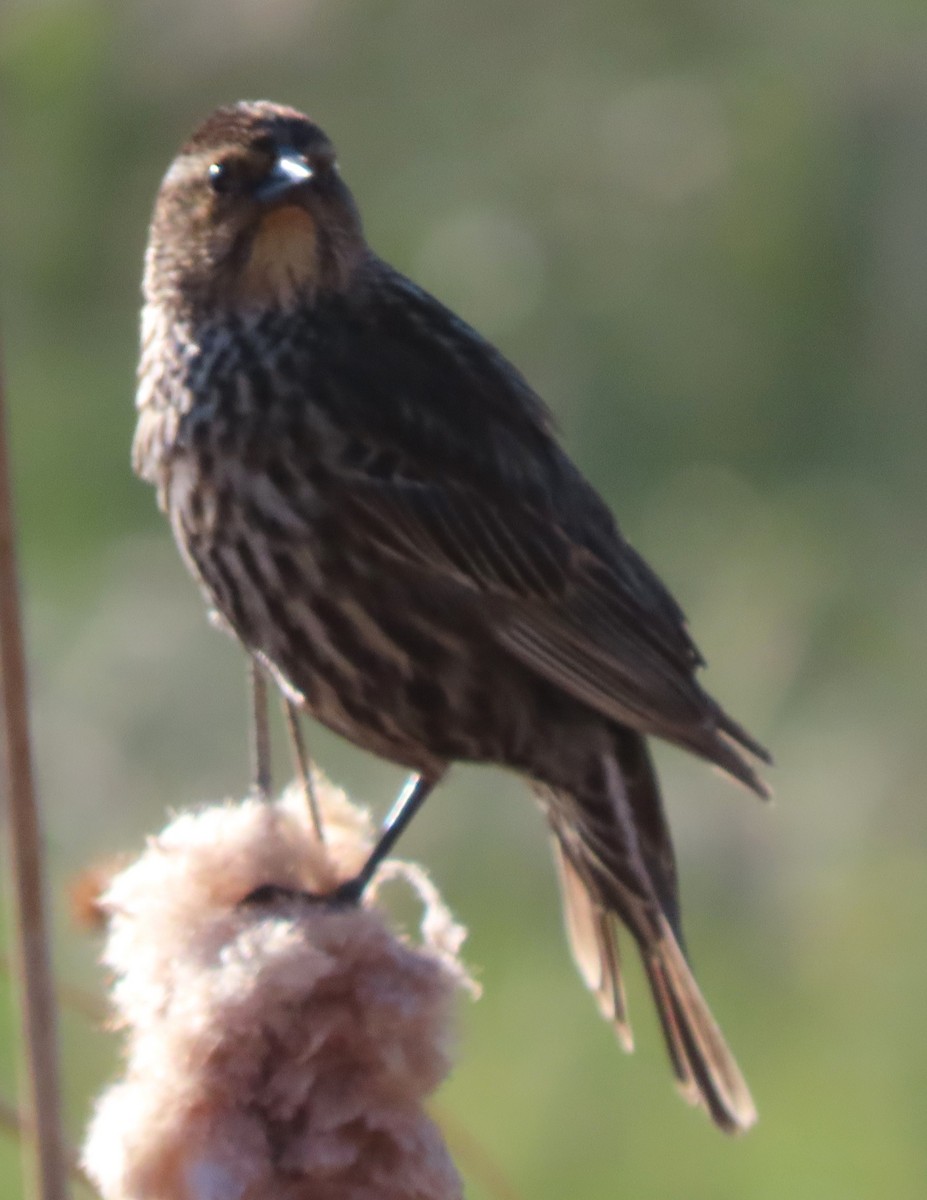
[558, 608]
[450, 467]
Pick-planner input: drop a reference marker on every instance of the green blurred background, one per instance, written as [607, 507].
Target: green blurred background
[701, 230]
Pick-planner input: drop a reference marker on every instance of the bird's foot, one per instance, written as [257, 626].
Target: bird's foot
[347, 895]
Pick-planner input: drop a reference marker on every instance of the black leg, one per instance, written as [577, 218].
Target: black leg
[261, 782]
[303, 766]
[415, 792]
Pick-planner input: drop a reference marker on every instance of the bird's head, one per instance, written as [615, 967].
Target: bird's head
[252, 213]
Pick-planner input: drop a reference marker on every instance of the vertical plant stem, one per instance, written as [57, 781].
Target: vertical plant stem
[12, 1122]
[42, 1110]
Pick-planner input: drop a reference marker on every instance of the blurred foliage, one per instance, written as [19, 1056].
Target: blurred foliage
[701, 230]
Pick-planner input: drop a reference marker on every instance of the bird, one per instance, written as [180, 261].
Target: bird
[376, 504]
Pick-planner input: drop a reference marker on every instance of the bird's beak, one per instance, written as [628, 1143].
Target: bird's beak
[289, 172]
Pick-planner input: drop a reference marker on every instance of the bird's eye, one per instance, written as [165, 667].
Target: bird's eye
[221, 178]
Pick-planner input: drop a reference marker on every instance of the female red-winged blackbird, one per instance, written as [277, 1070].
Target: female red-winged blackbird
[373, 499]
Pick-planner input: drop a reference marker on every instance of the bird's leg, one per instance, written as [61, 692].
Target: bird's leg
[415, 792]
[303, 766]
[261, 781]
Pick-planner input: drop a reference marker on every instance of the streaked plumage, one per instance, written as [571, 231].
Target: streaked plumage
[373, 499]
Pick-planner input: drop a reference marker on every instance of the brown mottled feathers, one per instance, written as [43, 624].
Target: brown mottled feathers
[374, 500]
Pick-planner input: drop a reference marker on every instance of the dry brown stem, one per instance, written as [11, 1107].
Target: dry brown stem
[36, 991]
[12, 1121]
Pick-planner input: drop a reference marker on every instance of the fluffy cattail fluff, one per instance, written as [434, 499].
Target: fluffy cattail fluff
[277, 1048]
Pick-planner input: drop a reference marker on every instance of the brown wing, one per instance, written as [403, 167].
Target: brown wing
[589, 625]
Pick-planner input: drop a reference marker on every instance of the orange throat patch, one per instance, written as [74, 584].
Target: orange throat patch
[283, 260]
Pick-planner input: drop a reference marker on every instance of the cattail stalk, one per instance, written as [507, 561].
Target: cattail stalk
[12, 1122]
[43, 1151]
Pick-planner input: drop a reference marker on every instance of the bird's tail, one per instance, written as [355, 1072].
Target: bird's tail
[606, 861]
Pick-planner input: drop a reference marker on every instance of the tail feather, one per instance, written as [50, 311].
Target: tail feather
[637, 780]
[671, 1027]
[607, 860]
[593, 940]
[706, 1069]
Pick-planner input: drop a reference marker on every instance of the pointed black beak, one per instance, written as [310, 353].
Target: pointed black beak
[290, 171]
